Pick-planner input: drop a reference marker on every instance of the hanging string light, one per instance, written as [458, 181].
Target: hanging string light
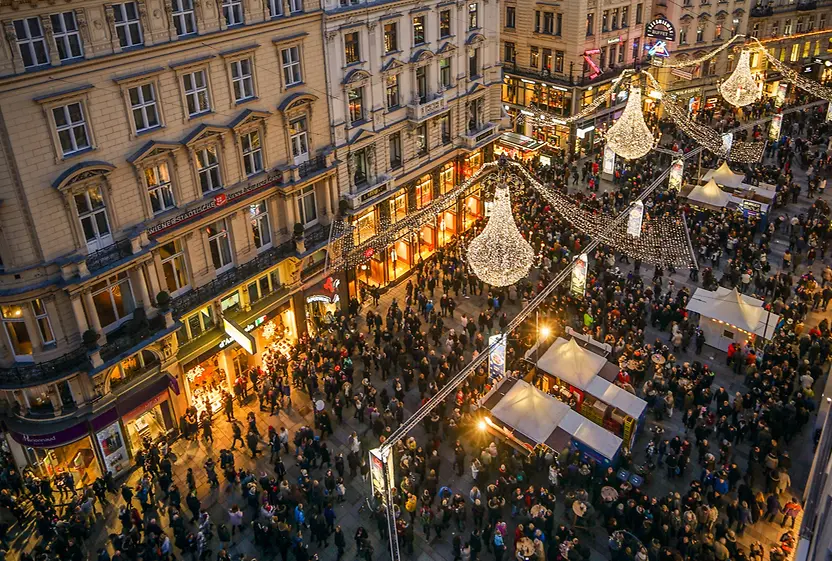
[740, 89]
[630, 137]
[703, 58]
[795, 78]
[499, 255]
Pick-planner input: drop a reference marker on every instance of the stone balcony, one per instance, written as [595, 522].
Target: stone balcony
[419, 111]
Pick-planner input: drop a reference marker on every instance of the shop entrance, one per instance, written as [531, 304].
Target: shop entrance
[76, 458]
[149, 423]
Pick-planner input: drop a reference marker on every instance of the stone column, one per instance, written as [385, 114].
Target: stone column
[327, 198]
[138, 281]
[78, 311]
[95, 323]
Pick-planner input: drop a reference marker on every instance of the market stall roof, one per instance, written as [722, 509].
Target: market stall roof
[571, 363]
[619, 398]
[709, 194]
[598, 438]
[735, 309]
[520, 141]
[724, 176]
[530, 412]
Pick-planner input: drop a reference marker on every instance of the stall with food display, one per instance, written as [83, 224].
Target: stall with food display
[517, 146]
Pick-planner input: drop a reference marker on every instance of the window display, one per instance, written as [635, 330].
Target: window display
[77, 457]
[207, 381]
[112, 448]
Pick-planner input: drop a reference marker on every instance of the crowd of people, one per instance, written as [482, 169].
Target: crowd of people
[377, 363]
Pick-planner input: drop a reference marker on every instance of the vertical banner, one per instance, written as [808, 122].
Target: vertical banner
[377, 464]
[609, 160]
[727, 142]
[578, 285]
[829, 112]
[774, 129]
[497, 356]
[677, 170]
[635, 220]
[780, 97]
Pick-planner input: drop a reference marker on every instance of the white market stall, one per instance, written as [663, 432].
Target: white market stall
[726, 316]
[709, 195]
[724, 176]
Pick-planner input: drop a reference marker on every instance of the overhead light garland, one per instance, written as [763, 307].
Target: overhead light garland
[630, 137]
[794, 77]
[500, 256]
[703, 58]
[740, 89]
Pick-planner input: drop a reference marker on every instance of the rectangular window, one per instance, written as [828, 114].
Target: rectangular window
[446, 178]
[822, 21]
[509, 55]
[295, 6]
[547, 60]
[614, 22]
[128, 25]
[799, 28]
[47, 336]
[603, 57]
[300, 140]
[208, 169]
[252, 152]
[258, 215]
[445, 128]
[621, 53]
[113, 300]
[559, 62]
[242, 80]
[356, 103]
[422, 84]
[424, 191]
[67, 37]
[360, 172]
[30, 42]
[290, 59]
[700, 33]
[511, 16]
[473, 16]
[639, 13]
[275, 8]
[391, 37]
[474, 63]
[806, 46]
[475, 109]
[159, 188]
[537, 21]
[144, 107]
[71, 126]
[590, 24]
[352, 49]
[232, 11]
[534, 57]
[196, 92]
[398, 207]
[173, 267]
[559, 25]
[220, 246]
[200, 322]
[365, 226]
[15, 327]
[636, 48]
[422, 139]
[184, 20]
[395, 146]
[549, 23]
[605, 17]
[787, 27]
[92, 214]
[419, 30]
[444, 24]
[445, 72]
[392, 90]
[625, 16]
[308, 206]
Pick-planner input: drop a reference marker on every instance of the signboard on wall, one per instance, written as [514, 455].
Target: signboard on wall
[497, 356]
[677, 170]
[660, 28]
[238, 334]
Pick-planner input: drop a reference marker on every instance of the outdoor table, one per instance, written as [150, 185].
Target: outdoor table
[609, 494]
[578, 510]
[538, 510]
[623, 475]
[525, 548]
[659, 359]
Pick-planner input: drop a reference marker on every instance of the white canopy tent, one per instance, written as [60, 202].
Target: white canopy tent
[597, 437]
[709, 194]
[618, 397]
[727, 316]
[724, 176]
[530, 412]
[571, 363]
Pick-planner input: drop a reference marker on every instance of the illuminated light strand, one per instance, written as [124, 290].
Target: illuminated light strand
[794, 77]
[630, 137]
[703, 58]
[740, 89]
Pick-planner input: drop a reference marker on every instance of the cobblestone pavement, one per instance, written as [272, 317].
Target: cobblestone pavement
[218, 501]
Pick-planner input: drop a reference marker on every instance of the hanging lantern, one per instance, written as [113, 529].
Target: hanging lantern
[499, 255]
[740, 89]
[630, 137]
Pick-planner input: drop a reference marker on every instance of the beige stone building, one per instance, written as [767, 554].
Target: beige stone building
[152, 146]
[415, 101]
[558, 57]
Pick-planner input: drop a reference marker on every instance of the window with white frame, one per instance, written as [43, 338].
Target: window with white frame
[208, 169]
[473, 16]
[128, 25]
[66, 35]
[361, 166]
[113, 300]
[422, 139]
[275, 8]
[20, 341]
[356, 104]
[144, 107]
[173, 267]
[92, 214]
[422, 84]
[394, 145]
[232, 11]
[299, 139]
[290, 60]
[71, 127]
[295, 6]
[47, 336]
[392, 89]
[184, 20]
[31, 42]
[159, 187]
[220, 246]
[196, 92]
[260, 227]
[242, 79]
[200, 322]
[445, 72]
[252, 152]
[307, 206]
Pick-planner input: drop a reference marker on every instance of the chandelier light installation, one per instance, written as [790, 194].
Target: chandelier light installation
[499, 255]
[740, 89]
[630, 137]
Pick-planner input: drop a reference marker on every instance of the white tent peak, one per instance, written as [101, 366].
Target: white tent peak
[709, 194]
[572, 363]
[530, 411]
[723, 175]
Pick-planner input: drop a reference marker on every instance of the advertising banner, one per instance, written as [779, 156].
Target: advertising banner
[497, 357]
[578, 285]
